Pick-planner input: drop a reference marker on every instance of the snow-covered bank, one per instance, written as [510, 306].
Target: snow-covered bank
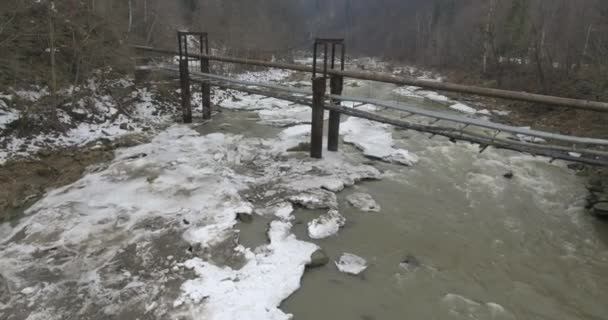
[91, 113]
[119, 238]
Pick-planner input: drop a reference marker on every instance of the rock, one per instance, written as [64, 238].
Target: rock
[130, 140]
[351, 264]
[576, 166]
[302, 147]
[410, 263]
[244, 217]
[600, 210]
[363, 202]
[318, 259]
[124, 126]
[591, 199]
[595, 181]
[136, 156]
[45, 172]
[509, 175]
[595, 188]
[595, 184]
[315, 199]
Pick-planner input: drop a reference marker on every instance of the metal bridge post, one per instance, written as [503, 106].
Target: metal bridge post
[205, 87]
[184, 76]
[318, 110]
[333, 134]
[336, 85]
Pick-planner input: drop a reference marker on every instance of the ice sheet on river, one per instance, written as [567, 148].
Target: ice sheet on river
[118, 241]
[375, 140]
[326, 225]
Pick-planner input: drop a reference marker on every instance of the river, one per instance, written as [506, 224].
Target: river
[460, 235]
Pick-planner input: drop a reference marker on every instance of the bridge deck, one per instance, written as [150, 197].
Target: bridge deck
[566, 147]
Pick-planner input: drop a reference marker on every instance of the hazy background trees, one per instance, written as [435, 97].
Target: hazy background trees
[554, 46]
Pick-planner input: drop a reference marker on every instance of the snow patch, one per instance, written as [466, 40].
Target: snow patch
[256, 290]
[185, 184]
[351, 264]
[326, 225]
[270, 75]
[375, 140]
[463, 108]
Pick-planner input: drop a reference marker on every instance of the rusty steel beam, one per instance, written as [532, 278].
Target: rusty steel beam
[387, 78]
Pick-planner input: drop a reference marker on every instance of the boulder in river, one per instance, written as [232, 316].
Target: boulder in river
[363, 202]
[244, 217]
[600, 210]
[318, 259]
[410, 263]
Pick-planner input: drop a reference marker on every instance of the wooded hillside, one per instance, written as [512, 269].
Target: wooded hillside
[552, 46]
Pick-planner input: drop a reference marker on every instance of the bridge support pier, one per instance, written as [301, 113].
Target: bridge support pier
[184, 77]
[205, 87]
[333, 133]
[206, 91]
[318, 101]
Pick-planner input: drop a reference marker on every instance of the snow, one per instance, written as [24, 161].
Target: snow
[351, 264]
[32, 95]
[7, 115]
[408, 91]
[529, 139]
[375, 140]
[256, 290]
[326, 225]
[463, 108]
[274, 112]
[270, 75]
[101, 119]
[288, 115]
[146, 193]
[434, 96]
[416, 92]
[363, 202]
[365, 107]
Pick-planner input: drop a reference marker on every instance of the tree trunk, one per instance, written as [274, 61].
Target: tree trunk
[52, 51]
[488, 35]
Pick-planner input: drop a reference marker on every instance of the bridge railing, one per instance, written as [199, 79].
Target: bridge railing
[404, 81]
[578, 150]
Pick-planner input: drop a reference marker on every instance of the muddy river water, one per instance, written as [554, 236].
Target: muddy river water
[457, 240]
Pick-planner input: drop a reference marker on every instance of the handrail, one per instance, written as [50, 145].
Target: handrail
[383, 77]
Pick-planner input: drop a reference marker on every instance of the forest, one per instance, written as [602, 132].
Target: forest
[550, 46]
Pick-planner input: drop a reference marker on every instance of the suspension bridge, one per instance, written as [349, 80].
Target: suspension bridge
[329, 56]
